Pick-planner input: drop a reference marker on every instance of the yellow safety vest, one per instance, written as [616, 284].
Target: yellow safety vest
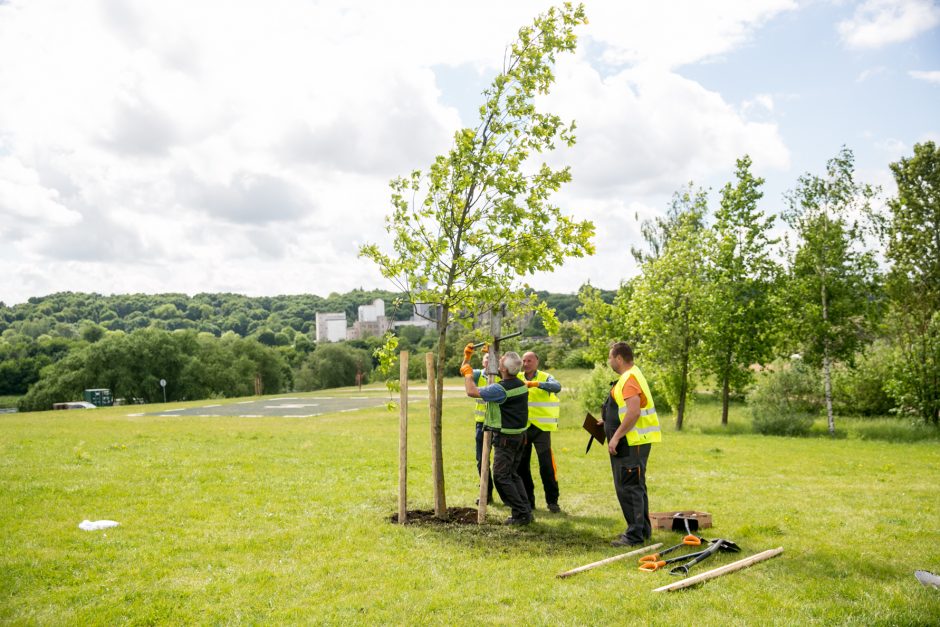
[479, 411]
[646, 429]
[544, 407]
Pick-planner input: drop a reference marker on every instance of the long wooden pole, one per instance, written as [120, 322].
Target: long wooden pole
[722, 570]
[403, 438]
[437, 472]
[615, 558]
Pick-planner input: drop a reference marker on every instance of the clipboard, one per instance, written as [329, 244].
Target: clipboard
[595, 429]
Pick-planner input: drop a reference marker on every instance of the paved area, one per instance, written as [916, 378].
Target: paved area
[285, 407]
[293, 406]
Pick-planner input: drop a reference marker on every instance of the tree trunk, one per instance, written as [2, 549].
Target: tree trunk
[827, 377]
[725, 393]
[683, 391]
[437, 449]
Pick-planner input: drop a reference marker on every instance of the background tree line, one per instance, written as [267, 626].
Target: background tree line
[72, 341]
[719, 297]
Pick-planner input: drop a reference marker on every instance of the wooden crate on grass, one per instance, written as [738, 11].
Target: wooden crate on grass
[665, 520]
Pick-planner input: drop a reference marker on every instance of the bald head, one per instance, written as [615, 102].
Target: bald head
[530, 363]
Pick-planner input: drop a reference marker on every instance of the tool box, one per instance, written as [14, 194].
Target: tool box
[675, 521]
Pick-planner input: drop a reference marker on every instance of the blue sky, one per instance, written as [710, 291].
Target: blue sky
[200, 147]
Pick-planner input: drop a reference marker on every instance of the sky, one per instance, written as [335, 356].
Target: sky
[247, 147]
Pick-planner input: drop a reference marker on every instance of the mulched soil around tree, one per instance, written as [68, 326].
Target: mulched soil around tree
[455, 516]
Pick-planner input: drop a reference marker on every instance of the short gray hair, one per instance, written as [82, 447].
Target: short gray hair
[512, 362]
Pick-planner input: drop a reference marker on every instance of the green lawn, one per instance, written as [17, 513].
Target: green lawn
[285, 520]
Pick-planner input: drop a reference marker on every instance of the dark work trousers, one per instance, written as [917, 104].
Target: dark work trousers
[507, 452]
[630, 483]
[489, 490]
[542, 441]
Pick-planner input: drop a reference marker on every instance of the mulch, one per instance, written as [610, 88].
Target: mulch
[455, 516]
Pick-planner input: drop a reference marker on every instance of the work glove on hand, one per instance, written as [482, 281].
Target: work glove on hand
[467, 352]
[531, 384]
[466, 370]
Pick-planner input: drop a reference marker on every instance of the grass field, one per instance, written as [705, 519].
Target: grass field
[285, 520]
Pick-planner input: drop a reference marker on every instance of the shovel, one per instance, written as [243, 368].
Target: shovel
[717, 545]
[651, 565]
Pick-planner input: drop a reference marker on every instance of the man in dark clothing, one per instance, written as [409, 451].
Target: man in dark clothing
[631, 425]
[507, 415]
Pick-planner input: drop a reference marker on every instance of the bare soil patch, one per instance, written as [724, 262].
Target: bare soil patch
[455, 516]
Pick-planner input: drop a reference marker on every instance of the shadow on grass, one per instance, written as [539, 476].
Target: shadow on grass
[549, 534]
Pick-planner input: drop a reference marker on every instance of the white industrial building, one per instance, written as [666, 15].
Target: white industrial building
[331, 327]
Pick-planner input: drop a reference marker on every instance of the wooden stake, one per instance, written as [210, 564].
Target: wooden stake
[484, 476]
[437, 472]
[722, 570]
[615, 558]
[403, 438]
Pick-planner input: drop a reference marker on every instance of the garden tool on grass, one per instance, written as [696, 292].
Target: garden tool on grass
[686, 541]
[716, 545]
[651, 565]
[690, 538]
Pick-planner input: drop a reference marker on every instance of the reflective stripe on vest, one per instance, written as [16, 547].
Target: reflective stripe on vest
[647, 428]
[544, 407]
[479, 412]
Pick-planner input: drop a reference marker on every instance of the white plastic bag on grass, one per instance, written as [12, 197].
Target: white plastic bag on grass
[88, 525]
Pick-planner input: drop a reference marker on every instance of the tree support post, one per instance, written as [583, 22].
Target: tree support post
[403, 439]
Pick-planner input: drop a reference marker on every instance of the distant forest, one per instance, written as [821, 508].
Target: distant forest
[228, 336]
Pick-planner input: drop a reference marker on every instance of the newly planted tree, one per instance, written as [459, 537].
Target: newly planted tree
[830, 287]
[741, 272]
[665, 311]
[467, 231]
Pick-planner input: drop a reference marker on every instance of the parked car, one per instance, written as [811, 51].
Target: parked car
[74, 405]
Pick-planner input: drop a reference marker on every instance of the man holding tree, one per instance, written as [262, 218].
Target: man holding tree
[544, 409]
[507, 416]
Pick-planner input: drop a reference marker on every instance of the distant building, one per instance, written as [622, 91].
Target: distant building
[372, 321]
[371, 313]
[331, 327]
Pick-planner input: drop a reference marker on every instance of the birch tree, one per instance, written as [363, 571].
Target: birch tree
[831, 275]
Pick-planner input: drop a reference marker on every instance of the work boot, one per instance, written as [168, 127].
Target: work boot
[621, 540]
[553, 508]
[522, 520]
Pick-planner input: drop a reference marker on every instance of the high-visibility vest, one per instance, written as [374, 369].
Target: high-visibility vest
[646, 429]
[479, 411]
[516, 411]
[544, 407]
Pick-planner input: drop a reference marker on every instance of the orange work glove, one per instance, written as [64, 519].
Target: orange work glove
[467, 352]
[466, 370]
[531, 384]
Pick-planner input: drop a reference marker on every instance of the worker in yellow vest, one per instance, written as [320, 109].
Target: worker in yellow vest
[543, 419]
[479, 414]
[631, 426]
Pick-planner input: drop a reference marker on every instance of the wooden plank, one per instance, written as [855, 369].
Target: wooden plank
[722, 570]
[615, 558]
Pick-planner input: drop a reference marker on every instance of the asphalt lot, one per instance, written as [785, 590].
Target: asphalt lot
[284, 407]
[304, 406]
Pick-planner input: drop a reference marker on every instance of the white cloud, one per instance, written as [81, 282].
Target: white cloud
[932, 76]
[180, 146]
[671, 34]
[649, 131]
[877, 23]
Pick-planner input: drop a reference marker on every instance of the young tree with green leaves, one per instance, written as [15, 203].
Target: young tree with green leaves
[830, 288]
[738, 310]
[666, 309]
[913, 284]
[468, 230]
